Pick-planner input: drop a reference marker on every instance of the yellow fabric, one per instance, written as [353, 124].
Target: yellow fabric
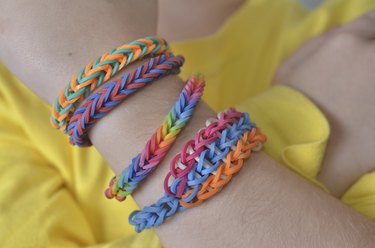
[301, 145]
[239, 62]
[52, 193]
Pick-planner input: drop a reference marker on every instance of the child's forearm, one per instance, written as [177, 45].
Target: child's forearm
[265, 206]
[45, 44]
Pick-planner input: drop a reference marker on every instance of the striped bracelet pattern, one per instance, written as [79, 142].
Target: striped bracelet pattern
[186, 159]
[115, 92]
[199, 190]
[158, 145]
[99, 71]
[212, 170]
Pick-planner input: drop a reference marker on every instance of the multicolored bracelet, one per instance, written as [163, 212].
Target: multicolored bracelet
[99, 71]
[251, 141]
[161, 141]
[212, 169]
[204, 165]
[188, 155]
[113, 93]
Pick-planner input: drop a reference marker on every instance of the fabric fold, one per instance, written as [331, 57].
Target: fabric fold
[297, 129]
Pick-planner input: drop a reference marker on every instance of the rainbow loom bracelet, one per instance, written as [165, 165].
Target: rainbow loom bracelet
[113, 93]
[99, 71]
[158, 145]
[191, 148]
[213, 169]
[251, 141]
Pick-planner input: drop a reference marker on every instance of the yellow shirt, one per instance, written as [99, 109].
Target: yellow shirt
[52, 193]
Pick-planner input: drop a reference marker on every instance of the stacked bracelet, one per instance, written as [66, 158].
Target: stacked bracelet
[160, 142]
[99, 71]
[251, 141]
[212, 168]
[113, 93]
[188, 155]
[204, 165]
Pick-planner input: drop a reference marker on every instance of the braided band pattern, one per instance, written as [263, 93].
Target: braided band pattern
[113, 93]
[184, 161]
[158, 145]
[99, 71]
[198, 192]
[199, 177]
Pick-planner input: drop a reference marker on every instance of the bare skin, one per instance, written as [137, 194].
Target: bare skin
[341, 62]
[265, 206]
[177, 17]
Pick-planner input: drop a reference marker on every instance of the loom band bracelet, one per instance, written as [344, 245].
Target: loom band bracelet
[168, 205]
[134, 50]
[113, 93]
[96, 106]
[101, 70]
[165, 207]
[252, 141]
[122, 185]
[80, 93]
[180, 169]
[96, 72]
[160, 142]
[186, 181]
[192, 153]
[212, 127]
[119, 57]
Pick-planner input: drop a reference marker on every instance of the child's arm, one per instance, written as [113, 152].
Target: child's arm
[336, 71]
[266, 206]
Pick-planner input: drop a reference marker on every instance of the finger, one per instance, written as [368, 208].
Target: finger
[364, 26]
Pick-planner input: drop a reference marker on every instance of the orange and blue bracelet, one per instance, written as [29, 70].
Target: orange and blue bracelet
[97, 105]
[208, 168]
[97, 72]
[204, 165]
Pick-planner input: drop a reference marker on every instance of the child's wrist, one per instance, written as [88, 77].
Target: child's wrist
[124, 131]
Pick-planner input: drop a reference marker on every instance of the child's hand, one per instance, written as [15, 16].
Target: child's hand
[337, 71]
